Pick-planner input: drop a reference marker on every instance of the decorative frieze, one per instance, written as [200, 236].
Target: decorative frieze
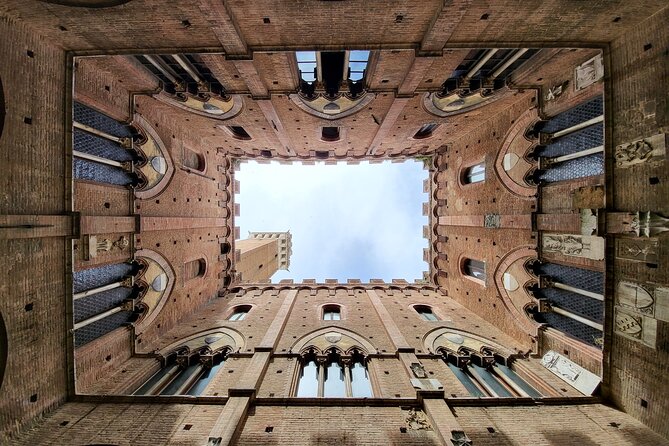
[589, 247]
[570, 372]
[643, 150]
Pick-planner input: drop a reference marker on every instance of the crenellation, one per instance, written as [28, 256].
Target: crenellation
[151, 321]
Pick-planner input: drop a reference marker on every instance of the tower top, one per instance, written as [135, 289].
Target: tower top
[285, 245]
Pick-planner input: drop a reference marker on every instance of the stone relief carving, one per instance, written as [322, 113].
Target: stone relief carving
[589, 72]
[570, 372]
[417, 420]
[105, 245]
[418, 370]
[561, 365]
[637, 249]
[641, 151]
[590, 247]
[646, 299]
[492, 221]
[635, 326]
[589, 219]
[635, 297]
[556, 91]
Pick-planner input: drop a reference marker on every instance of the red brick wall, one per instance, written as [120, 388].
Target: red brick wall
[33, 269]
[640, 80]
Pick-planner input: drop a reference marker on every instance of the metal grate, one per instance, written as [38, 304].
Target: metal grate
[574, 328]
[88, 279]
[97, 303]
[586, 166]
[101, 173]
[104, 148]
[587, 138]
[573, 116]
[97, 120]
[576, 277]
[587, 307]
[98, 328]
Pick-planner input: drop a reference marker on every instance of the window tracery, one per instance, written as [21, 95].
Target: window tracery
[333, 375]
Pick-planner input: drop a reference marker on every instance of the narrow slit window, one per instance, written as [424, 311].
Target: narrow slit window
[474, 174]
[426, 131]
[330, 134]
[474, 268]
[193, 160]
[240, 313]
[239, 132]
[332, 313]
[426, 312]
[194, 269]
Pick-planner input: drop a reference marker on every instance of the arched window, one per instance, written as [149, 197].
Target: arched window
[330, 134]
[184, 374]
[239, 313]
[331, 313]
[485, 375]
[194, 268]
[425, 131]
[474, 268]
[193, 160]
[334, 376]
[474, 174]
[425, 312]
[238, 132]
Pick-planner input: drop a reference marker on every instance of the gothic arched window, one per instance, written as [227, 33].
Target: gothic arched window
[334, 376]
[485, 375]
[184, 374]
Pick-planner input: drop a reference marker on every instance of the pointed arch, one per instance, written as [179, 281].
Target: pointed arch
[157, 280]
[214, 339]
[327, 338]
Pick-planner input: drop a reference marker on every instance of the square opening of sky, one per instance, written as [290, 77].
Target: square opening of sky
[359, 221]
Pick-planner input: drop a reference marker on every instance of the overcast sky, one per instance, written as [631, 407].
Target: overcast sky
[348, 222]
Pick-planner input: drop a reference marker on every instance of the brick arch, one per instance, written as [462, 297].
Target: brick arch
[517, 256]
[152, 147]
[230, 338]
[516, 142]
[317, 340]
[153, 301]
[432, 341]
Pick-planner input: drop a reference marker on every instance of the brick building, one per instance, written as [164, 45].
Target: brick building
[543, 318]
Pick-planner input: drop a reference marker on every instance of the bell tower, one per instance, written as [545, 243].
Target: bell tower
[262, 254]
